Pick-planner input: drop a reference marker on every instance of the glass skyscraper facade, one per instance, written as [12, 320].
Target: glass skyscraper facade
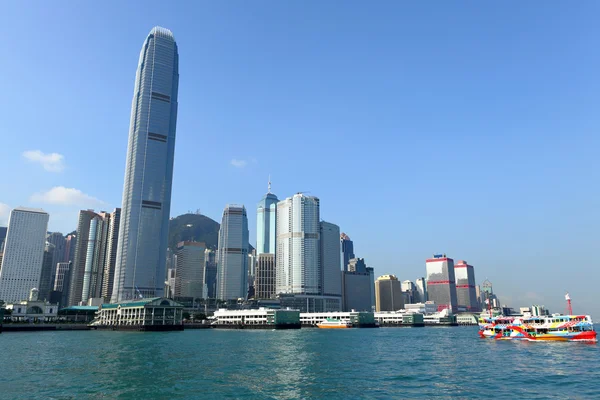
[266, 223]
[347, 250]
[144, 225]
[298, 252]
[232, 255]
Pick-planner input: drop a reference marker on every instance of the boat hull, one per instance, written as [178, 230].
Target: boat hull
[518, 334]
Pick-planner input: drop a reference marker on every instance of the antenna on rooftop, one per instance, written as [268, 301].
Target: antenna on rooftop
[269, 184]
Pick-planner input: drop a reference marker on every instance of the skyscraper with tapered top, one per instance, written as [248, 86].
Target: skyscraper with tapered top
[144, 225]
[232, 255]
[266, 224]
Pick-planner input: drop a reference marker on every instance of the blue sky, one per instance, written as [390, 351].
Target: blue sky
[467, 128]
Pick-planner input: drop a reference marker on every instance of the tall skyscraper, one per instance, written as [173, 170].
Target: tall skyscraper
[95, 257]
[232, 256]
[347, 250]
[70, 244]
[441, 285]
[466, 295]
[330, 260]
[266, 226]
[77, 270]
[23, 253]
[61, 274]
[298, 269]
[388, 293]
[210, 274]
[357, 265]
[58, 241]
[48, 266]
[422, 289]
[144, 227]
[264, 282]
[111, 254]
[189, 276]
[3, 230]
[409, 292]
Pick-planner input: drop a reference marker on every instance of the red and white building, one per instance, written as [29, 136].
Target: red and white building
[441, 284]
[466, 294]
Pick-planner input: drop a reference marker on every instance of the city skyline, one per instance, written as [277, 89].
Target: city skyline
[508, 227]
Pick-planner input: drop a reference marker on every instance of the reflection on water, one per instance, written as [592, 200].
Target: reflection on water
[295, 364]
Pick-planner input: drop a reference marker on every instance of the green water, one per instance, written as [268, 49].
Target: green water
[380, 363]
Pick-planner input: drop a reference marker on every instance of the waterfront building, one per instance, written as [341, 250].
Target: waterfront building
[266, 226]
[256, 319]
[23, 253]
[298, 269]
[330, 259]
[467, 319]
[388, 293]
[81, 250]
[33, 309]
[357, 265]
[210, 274]
[110, 259]
[399, 318]
[441, 284]
[428, 307]
[356, 318]
[358, 290]
[232, 256]
[154, 314]
[189, 277]
[310, 302]
[264, 283]
[144, 225]
[466, 296]
[45, 285]
[421, 285]
[347, 250]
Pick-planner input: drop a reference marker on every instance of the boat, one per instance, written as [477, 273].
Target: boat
[331, 323]
[533, 328]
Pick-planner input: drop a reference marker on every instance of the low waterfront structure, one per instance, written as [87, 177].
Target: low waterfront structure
[399, 318]
[153, 314]
[33, 311]
[467, 319]
[262, 318]
[359, 319]
[428, 307]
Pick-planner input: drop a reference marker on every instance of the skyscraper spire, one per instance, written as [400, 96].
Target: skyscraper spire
[269, 191]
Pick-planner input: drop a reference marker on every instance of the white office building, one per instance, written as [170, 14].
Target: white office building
[23, 253]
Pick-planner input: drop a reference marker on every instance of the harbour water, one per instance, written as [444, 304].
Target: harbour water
[294, 364]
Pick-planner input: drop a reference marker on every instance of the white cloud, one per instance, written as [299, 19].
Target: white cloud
[4, 213]
[239, 163]
[67, 197]
[52, 162]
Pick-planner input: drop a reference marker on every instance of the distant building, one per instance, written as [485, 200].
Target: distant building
[466, 295]
[70, 245]
[441, 284]
[232, 257]
[266, 226]
[95, 257]
[264, 283]
[58, 241]
[170, 283]
[61, 272]
[409, 291]
[422, 289]
[358, 290]
[330, 259]
[357, 265]
[23, 253]
[48, 266]
[388, 293]
[428, 307]
[347, 250]
[81, 251]
[487, 295]
[110, 260]
[210, 274]
[33, 309]
[251, 272]
[189, 280]
[3, 230]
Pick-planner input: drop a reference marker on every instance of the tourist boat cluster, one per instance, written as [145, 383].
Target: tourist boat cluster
[555, 327]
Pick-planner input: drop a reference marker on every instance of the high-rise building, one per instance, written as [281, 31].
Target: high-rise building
[3, 230]
[357, 265]
[232, 256]
[77, 270]
[441, 285]
[266, 226]
[210, 274]
[421, 290]
[58, 241]
[251, 272]
[70, 245]
[409, 292]
[487, 294]
[144, 225]
[23, 253]
[45, 286]
[62, 273]
[466, 295]
[388, 293]
[298, 269]
[358, 290]
[95, 257]
[264, 282]
[347, 250]
[189, 276]
[330, 259]
[111, 254]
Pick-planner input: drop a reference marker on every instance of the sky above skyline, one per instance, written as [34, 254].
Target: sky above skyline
[468, 129]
